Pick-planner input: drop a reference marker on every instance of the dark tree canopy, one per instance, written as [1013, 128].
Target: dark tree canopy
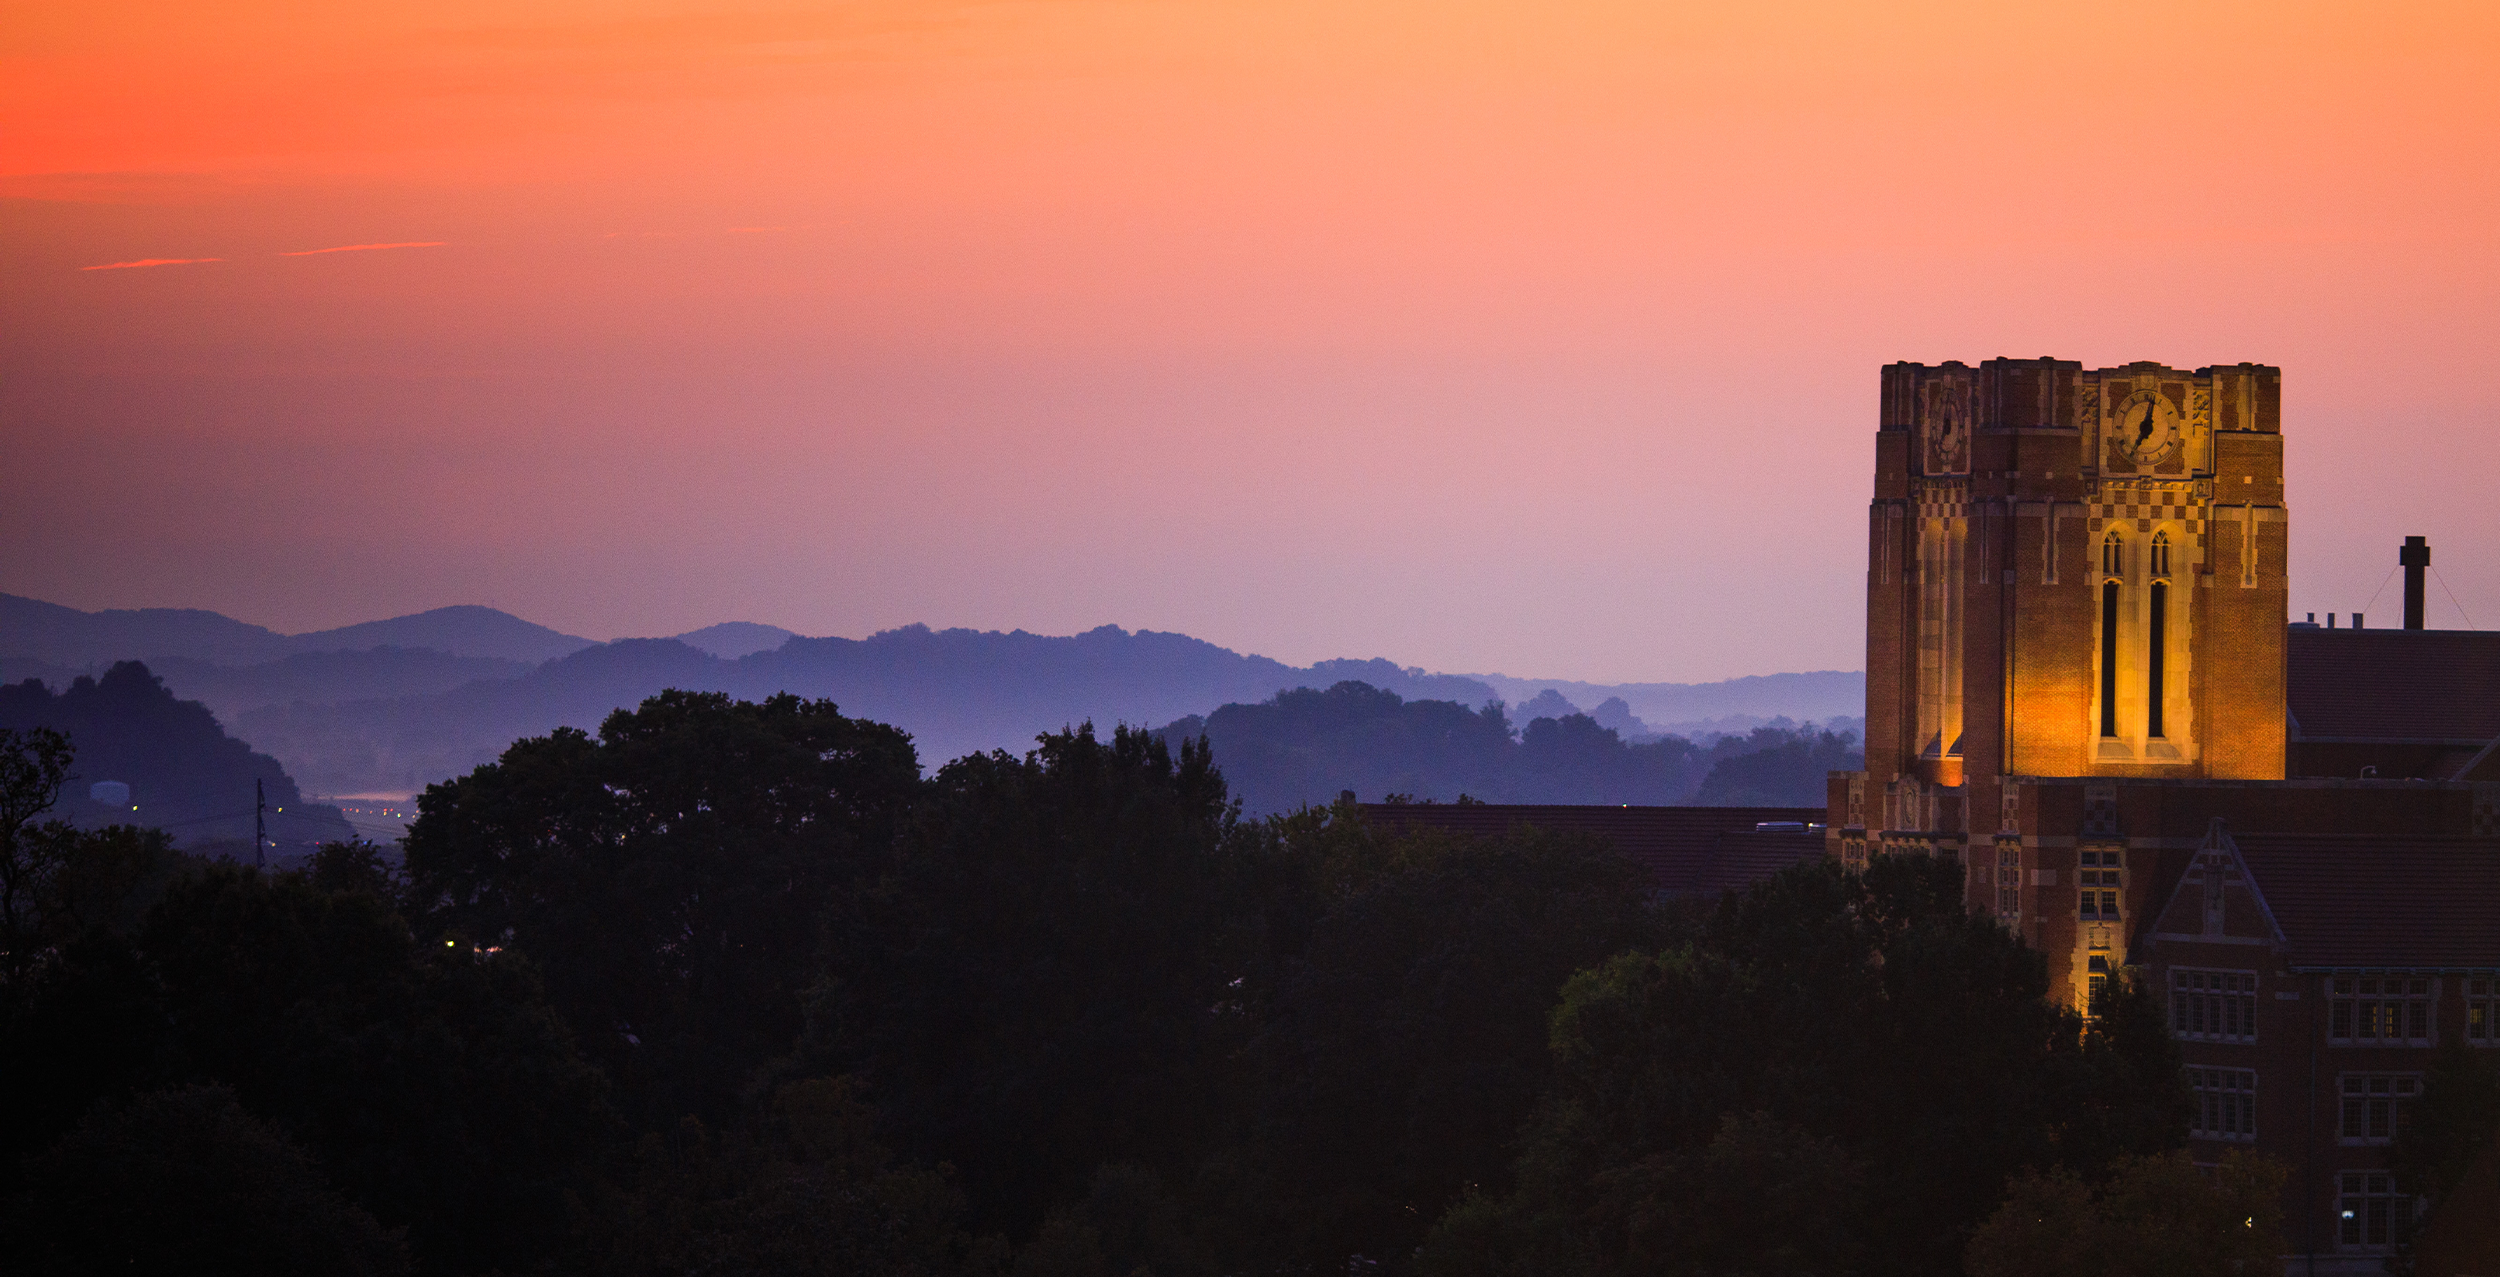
[802, 1189]
[2151, 1216]
[729, 987]
[431, 1079]
[1405, 1041]
[670, 876]
[2454, 1122]
[1034, 990]
[34, 765]
[1890, 1039]
[186, 1181]
[1789, 772]
[429, 1086]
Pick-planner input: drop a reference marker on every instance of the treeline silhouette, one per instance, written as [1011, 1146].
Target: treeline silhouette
[185, 774]
[728, 987]
[1305, 746]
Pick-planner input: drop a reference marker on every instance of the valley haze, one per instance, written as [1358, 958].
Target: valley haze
[390, 706]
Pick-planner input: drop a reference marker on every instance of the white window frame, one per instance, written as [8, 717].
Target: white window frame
[2355, 1193]
[2101, 878]
[2356, 1002]
[2199, 994]
[2226, 1104]
[2358, 1120]
[2482, 1011]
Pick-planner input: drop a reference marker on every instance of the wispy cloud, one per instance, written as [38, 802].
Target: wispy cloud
[365, 248]
[153, 261]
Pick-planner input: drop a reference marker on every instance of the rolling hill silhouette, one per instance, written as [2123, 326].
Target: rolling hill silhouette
[387, 707]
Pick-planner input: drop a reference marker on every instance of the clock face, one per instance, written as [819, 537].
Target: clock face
[2147, 429]
[1947, 429]
[1950, 431]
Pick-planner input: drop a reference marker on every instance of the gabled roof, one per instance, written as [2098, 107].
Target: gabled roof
[2217, 897]
[1687, 850]
[2412, 685]
[2357, 900]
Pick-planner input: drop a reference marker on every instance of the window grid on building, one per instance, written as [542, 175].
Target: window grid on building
[2369, 1211]
[2216, 1006]
[2097, 896]
[2482, 1011]
[2009, 881]
[2226, 1104]
[2376, 1106]
[2379, 1009]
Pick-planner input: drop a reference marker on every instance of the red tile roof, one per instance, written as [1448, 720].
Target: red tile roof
[2424, 685]
[2348, 900]
[1687, 850]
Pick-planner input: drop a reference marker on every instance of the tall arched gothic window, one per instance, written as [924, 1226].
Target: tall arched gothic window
[2155, 616]
[2113, 566]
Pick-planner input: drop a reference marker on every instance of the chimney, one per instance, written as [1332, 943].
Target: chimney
[2415, 556]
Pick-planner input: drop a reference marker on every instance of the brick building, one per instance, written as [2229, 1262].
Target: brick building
[2308, 978]
[2082, 685]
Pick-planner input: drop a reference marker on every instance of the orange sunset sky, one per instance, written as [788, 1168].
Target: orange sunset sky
[1538, 338]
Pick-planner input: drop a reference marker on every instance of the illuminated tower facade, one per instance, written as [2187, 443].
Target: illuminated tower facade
[2070, 573]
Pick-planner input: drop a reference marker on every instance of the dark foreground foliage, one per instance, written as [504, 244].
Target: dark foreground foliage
[184, 1180]
[1852, 1065]
[729, 988]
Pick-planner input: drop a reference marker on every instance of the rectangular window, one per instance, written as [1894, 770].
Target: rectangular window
[2368, 1212]
[2377, 1105]
[2213, 1006]
[2097, 896]
[2226, 1104]
[2482, 1011]
[2379, 1009]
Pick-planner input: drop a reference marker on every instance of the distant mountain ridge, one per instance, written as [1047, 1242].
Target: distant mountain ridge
[957, 692]
[391, 706]
[1816, 695]
[730, 640]
[36, 630]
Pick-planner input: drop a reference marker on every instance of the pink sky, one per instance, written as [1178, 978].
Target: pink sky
[1531, 338]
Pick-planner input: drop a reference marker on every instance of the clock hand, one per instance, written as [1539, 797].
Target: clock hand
[2145, 431]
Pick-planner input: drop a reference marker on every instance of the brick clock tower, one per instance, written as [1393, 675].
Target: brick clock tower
[2070, 573]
